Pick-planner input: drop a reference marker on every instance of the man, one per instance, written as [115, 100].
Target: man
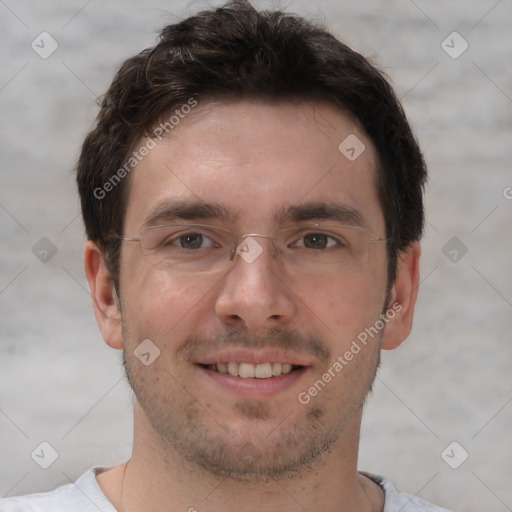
[252, 196]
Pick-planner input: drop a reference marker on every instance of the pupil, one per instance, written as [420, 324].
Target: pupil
[191, 241]
[315, 241]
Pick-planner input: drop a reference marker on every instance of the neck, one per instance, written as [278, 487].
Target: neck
[156, 478]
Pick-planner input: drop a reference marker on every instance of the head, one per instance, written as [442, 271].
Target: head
[238, 118]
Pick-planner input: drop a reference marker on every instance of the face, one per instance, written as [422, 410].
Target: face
[253, 168]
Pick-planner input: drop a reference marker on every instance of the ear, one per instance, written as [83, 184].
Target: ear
[403, 297]
[104, 296]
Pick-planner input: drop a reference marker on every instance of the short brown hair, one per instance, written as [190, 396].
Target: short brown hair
[236, 52]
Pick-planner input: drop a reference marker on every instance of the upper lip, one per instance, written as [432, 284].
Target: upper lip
[254, 356]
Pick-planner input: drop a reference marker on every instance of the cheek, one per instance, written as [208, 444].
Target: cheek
[159, 308]
[342, 307]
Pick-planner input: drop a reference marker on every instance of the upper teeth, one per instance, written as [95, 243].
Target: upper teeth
[249, 370]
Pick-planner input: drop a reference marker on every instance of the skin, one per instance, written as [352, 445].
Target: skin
[192, 437]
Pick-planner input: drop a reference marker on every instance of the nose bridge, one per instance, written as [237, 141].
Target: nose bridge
[252, 292]
[248, 248]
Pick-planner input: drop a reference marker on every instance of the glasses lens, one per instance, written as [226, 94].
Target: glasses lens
[186, 247]
[343, 246]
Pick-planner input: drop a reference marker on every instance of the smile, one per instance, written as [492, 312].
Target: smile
[249, 370]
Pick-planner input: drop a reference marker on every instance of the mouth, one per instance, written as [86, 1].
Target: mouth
[253, 371]
[248, 374]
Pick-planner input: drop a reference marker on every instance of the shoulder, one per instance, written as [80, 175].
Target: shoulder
[84, 495]
[403, 502]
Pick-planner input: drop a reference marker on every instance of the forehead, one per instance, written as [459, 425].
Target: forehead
[255, 161]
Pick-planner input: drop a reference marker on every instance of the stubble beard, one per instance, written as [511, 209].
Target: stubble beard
[197, 435]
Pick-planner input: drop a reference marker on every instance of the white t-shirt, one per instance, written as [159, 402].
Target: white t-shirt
[85, 495]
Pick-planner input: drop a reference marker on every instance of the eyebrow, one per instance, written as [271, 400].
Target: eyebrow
[175, 210]
[320, 210]
[171, 210]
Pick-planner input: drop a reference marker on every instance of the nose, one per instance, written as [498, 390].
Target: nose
[255, 292]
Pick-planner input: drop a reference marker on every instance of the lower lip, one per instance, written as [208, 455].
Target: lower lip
[253, 387]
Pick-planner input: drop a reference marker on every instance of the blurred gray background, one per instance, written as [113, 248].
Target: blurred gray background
[450, 382]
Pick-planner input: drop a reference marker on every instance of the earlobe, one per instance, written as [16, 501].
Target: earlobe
[403, 297]
[104, 296]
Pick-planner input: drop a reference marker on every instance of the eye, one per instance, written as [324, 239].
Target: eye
[319, 241]
[191, 241]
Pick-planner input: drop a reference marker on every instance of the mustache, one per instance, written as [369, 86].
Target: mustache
[285, 339]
